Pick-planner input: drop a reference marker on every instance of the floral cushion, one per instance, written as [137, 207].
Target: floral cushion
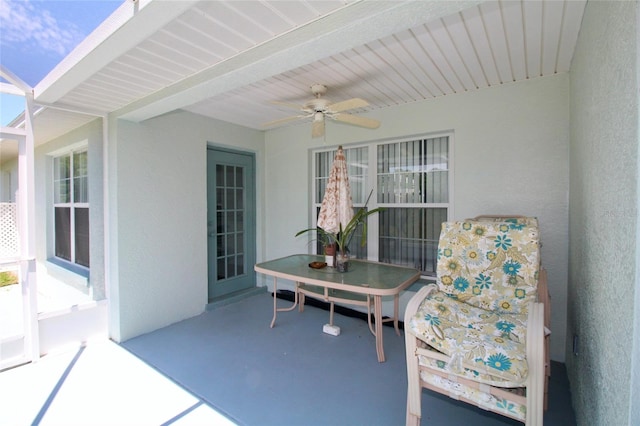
[493, 265]
[487, 276]
[485, 400]
[483, 345]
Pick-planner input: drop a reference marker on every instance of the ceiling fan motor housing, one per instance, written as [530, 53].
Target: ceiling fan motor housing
[317, 105]
[318, 90]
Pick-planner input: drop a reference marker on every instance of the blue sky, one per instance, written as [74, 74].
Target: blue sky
[36, 35]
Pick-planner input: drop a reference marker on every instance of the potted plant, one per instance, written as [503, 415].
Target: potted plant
[328, 242]
[342, 239]
[344, 236]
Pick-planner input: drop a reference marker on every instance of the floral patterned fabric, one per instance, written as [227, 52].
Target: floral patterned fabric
[487, 276]
[337, 206]
[491, 265]
[492, 344]
[482, 399]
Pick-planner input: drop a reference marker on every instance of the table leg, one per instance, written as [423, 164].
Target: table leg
[301, 299]
[369, 315]
[275, 299]
[377, 309]
[396, 303]
[275, 306]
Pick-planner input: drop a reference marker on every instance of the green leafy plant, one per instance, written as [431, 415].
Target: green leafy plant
[327, 239]
[344, 235]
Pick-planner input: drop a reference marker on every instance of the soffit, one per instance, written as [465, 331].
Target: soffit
[230, 60]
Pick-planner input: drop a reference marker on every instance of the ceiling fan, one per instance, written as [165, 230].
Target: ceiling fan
[321, 108]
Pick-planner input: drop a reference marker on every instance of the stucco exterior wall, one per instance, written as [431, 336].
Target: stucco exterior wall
[511, 153]
[158, 218]
[603, 271]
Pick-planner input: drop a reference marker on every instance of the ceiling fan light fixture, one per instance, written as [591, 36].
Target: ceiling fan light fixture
[318, 116]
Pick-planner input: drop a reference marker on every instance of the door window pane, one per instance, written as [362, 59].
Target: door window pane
[230, 176]
[220, 245]
[221, 268]
[240, 243]
[230, 201]
[239, 177]
[231, 222]
[220, 175]
[239, 199]
[240, 221]
[231, 267]
[240, 265]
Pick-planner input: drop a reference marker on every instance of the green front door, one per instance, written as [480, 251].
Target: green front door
[231, 221]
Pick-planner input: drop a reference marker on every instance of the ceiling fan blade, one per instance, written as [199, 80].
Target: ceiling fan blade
[348, 104]
[357, 120]
[317, 128]
[283, 120]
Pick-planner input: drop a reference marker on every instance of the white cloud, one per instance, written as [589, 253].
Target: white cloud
[35, 28]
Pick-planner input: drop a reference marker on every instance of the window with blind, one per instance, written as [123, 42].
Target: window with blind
[71, 208]
[411, 180]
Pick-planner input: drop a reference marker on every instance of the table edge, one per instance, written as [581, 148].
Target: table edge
[352, 288]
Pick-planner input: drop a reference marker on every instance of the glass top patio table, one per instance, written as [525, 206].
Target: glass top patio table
[365, 277]
[372, 279]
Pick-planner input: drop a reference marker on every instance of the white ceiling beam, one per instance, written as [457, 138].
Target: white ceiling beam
[75, 109]
[10, 89]
[347, 28]
[119, 33]
[19, 86]
[12, 132]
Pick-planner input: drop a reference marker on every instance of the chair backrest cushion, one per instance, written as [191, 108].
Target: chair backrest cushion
[493, 265]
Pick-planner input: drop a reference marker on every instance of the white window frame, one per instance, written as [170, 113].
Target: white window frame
[72, 205]
[373, 222]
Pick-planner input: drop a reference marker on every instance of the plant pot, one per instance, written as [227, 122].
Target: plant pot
[330, 250]
[330, 255]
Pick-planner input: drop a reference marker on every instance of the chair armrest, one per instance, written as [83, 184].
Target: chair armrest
[535, 327]
[536, 359]
[544, 297]
[415, 301]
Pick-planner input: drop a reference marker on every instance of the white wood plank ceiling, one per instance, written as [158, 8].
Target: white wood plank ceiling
[483, 46]
[228, 59]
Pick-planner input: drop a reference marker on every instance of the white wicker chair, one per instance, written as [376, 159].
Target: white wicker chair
[478, 334]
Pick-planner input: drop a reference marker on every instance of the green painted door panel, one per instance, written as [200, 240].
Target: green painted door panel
[230, 221]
